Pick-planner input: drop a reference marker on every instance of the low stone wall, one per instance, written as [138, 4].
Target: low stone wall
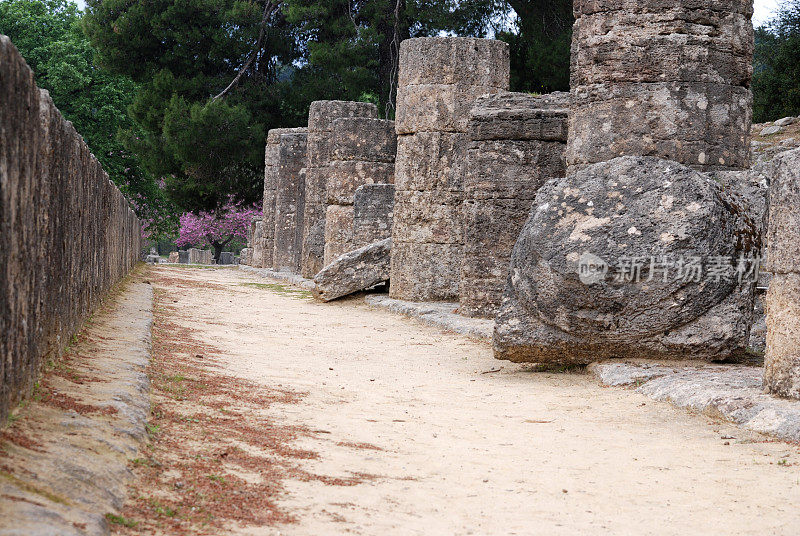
[66, 232]
[517, 142]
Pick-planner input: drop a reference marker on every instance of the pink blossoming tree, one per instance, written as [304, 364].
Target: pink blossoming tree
[216, 230]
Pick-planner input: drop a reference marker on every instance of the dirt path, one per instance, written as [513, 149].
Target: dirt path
[430, 440]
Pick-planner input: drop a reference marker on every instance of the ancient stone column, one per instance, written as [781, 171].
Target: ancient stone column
[363, 152]
[257, 233]
[517, 142]
[321, 115]
[271, 168]
[289, 202]
[665, 79]
[439, 80]
[373, 208]
[782, 359]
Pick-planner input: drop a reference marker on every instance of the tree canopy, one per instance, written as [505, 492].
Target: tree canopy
[776, 66]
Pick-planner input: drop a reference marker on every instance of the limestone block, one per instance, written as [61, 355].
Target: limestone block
[258, 244]
[701, 9]
[344, 178]
[520, 116]
[428, 217]
[448, 60]
[700, 125]
[245, 256]
[290, 203]
[226, 257]
[601, 269]
[783, 231]
[425, 272]
[338, 232]
[431, 161]
[354, 271]
[373, 211]
[436, 107]
[782, 359]
[322, 114]
[174, 257]
[491, 228]
[665, 46]
[183, 257]
[511, 169]
[364, 139]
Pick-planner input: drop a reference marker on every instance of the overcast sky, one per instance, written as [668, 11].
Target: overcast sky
[764, 9]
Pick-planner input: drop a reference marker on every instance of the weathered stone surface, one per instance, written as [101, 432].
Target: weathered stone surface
[517, 143]
[425, 272]
[673, 45]
[174, 257]
[661, 79]
[226, 257]
[437, 107]
[152, 259]
[257, 243]
[440, 79]
[345, 177]
[365, 139]
[618, 215]
[701, 125]
[271, 169]
[245, 257]
[338, 232]
[66, 232]
[782, 358]
[372, 213]
[183, 257]
[447, 60]
[428, 217]
[431, 161]
[290, 202]
[354, 271]
[520, 116]
[783, 233]
[320, 144]
[491, 228]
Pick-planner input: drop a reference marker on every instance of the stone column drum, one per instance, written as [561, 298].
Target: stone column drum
[439, 80]
[257, 232]
[782, 359]
[665, 79]
[363, 152]
[373, 208]
[321, 115]
[271, 168]
[289, 202]
[517, 142]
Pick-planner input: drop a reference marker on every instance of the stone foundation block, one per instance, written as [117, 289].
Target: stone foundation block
[345, 177]
[425, 272]
[364, 139]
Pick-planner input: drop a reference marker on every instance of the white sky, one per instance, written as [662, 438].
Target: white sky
[763, 10]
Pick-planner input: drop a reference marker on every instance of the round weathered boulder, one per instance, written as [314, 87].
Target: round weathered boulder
[635, 257]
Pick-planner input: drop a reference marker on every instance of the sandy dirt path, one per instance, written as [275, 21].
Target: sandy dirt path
[461, 450]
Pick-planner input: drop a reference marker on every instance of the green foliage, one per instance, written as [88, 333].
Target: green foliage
[182, 53]
[49, 37]
[776, 66]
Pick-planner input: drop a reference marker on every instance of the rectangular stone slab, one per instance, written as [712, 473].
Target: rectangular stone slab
[354, 271]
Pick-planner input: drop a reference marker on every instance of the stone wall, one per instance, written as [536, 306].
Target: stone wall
[517, 142]
[665, 79]
[271, 169]
[782, 359]
[67, 234]
[290, 201]
[373, 208]
[321, 116]
[363, 152]
[439, 80]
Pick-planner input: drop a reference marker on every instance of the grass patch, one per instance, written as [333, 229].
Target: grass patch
[283, 290]
[119, 520]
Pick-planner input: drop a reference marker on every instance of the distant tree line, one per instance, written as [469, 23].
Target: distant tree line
[776, 66]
